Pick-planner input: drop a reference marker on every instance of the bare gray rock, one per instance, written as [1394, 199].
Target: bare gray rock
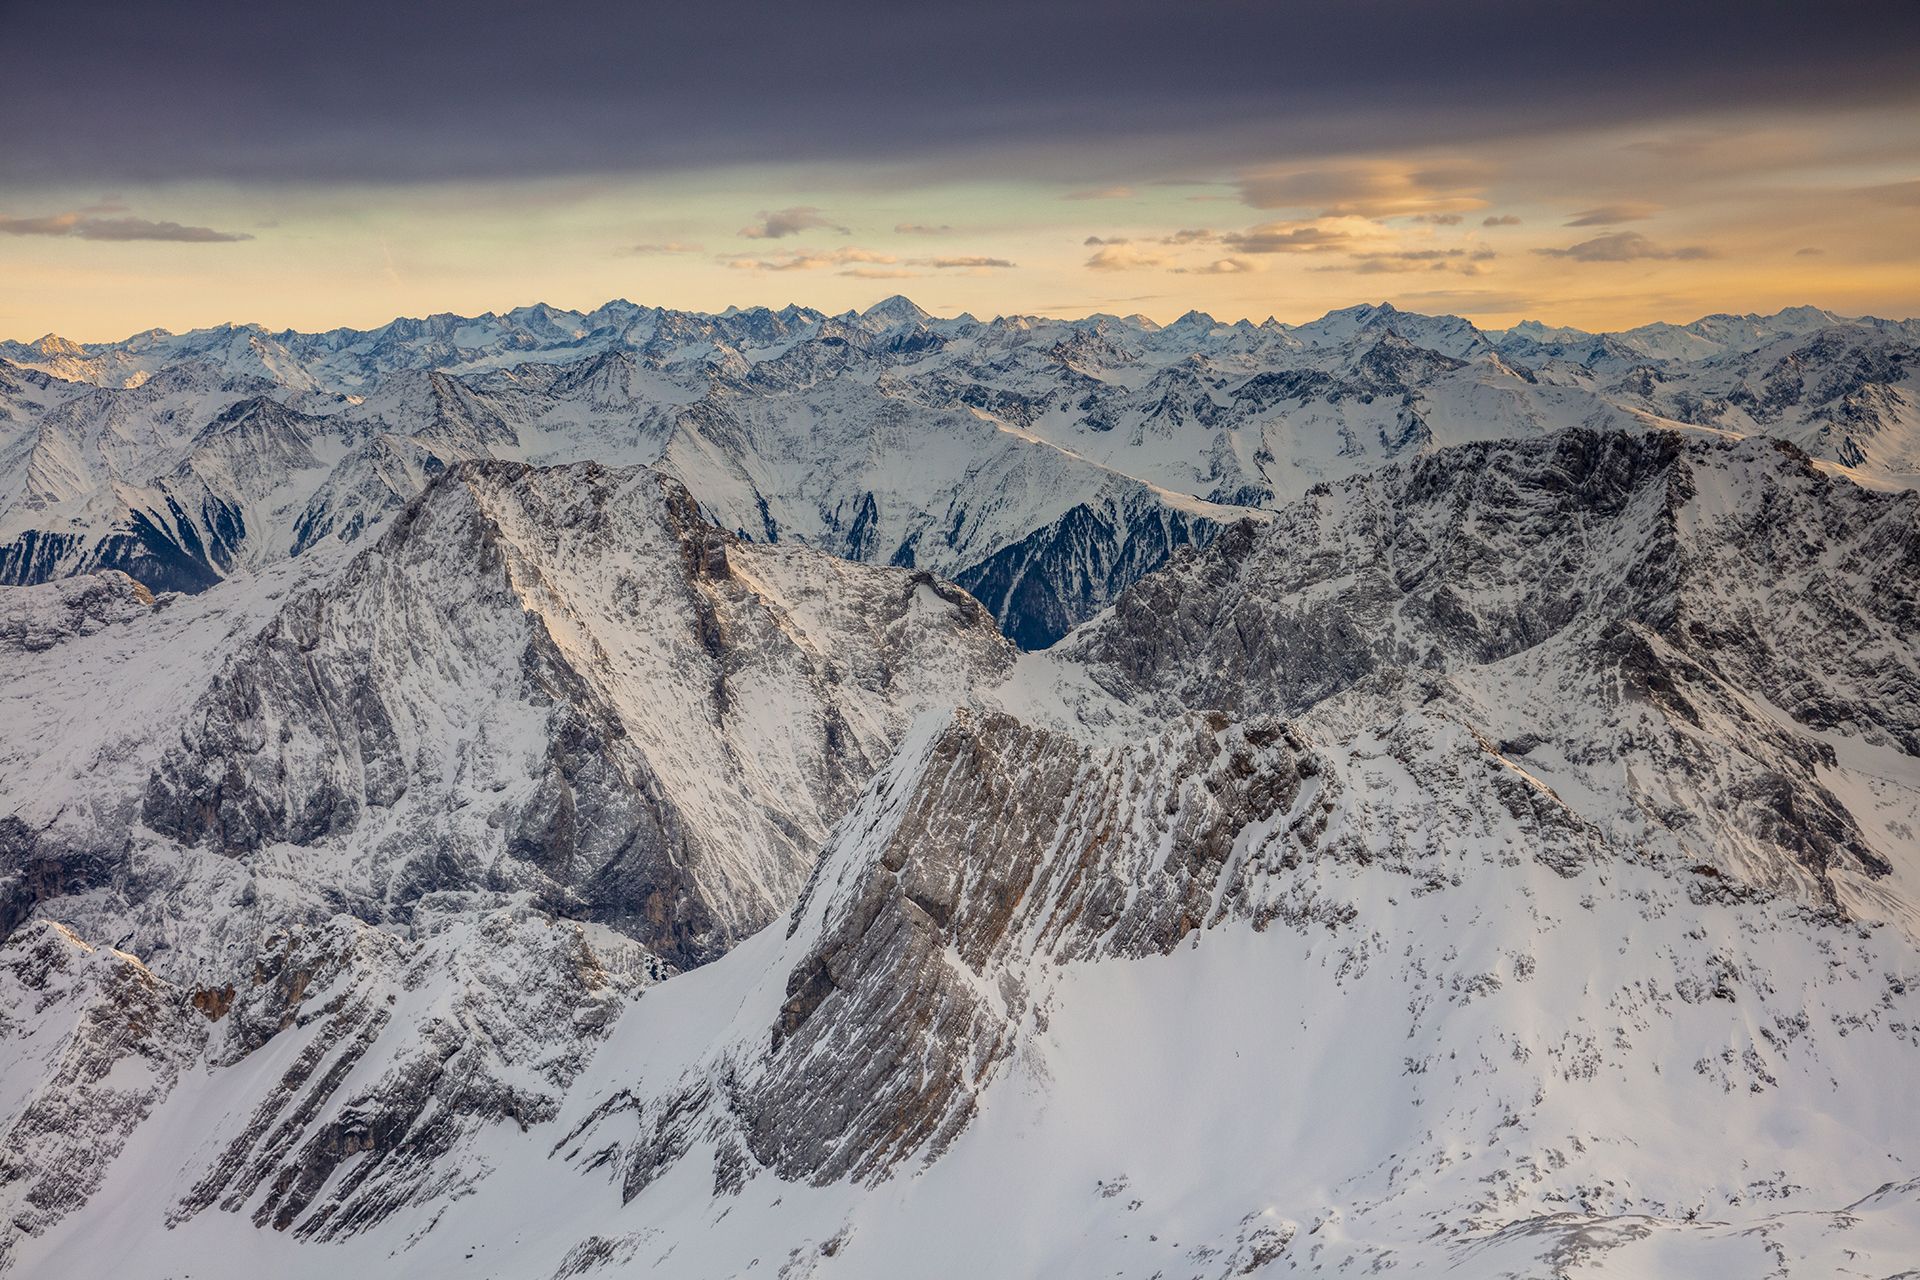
[38, 617]
[569, 683]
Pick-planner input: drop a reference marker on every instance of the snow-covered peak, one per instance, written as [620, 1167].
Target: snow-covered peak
[892, 313]
[1450, 335]
[52, 345]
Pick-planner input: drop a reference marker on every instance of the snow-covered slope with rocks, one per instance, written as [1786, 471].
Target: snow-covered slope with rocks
[1044, 464]
[560, 794]
[1847, 394]
[552, 737]
[1499, 863]
[558, 682]
[1582, 931]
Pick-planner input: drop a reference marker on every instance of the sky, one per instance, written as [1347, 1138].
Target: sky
[342, 163]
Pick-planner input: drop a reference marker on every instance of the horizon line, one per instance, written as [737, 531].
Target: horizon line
[963, 315]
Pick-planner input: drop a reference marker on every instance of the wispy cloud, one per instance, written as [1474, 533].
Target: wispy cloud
[80, 225]
[1100, 193]
[1901, 193]
[1681, 146]
[952, 264]
[1500, 220]
[1367, 190]
[1623, 246]
[664, 247]
[1399, 261]
[799, 262]
[1218, 267]
[1124, 257]
[922, 229]
[777, 224]
[1613, 214]
[1094, 242]
[809, 261]
[1289, 237]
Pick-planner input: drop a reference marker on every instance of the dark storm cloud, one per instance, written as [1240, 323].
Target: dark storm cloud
[393, 93]
[79, 226]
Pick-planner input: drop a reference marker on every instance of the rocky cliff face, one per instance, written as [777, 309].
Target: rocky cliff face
[912, 990]
[37, 618]
[552, 738]
[920, 978]
[567, 683]
[96, 1041]
[387, 1057]
[400, 1054]
[1636, 585]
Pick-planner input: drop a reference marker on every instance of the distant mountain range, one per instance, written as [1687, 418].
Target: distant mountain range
[1044, 465]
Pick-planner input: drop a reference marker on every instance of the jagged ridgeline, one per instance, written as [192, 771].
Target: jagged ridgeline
[1043, 465]
[773, 793]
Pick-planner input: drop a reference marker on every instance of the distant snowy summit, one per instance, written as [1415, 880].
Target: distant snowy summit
[345, 357]
[1042, 464]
